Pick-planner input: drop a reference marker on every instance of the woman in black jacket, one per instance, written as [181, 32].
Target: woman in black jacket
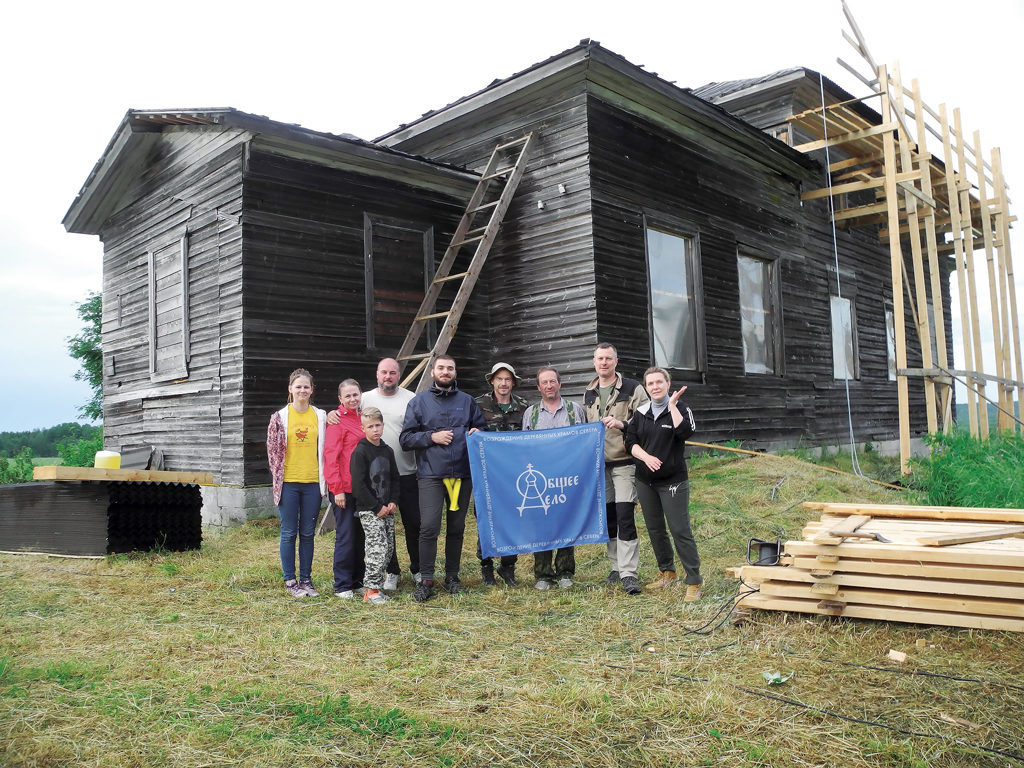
[656, 438]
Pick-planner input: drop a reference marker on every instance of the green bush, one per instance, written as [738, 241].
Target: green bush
[964, 472]
[18, 469]
[80, 454]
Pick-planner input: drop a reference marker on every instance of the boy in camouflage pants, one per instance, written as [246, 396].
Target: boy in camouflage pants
[375, 484]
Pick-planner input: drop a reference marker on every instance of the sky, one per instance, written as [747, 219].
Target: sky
[73, 70]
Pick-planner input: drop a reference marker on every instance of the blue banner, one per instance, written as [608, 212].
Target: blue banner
[538, 490]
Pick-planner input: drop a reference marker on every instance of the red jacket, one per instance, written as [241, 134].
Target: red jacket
[341, 440]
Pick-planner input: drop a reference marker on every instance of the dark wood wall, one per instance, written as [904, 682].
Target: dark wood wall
[540, 274]
[304, 300]
[191, 186]
[638, 170]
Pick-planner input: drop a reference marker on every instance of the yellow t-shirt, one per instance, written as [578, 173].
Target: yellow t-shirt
[301, 463]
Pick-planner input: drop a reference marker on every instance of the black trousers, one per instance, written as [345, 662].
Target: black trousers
[434, 503]
[409, 509]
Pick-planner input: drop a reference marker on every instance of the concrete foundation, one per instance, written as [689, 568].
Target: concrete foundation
[233, 505]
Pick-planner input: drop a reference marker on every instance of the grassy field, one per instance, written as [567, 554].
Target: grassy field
[200, 659]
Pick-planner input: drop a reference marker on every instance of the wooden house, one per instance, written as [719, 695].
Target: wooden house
[237, 248]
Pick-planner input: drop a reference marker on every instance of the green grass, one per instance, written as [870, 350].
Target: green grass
[46, 461]
[200, 658]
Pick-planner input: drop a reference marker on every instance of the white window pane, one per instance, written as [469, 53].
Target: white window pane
[842, 339]
[890, 343]
[673, 310]
[755, 315]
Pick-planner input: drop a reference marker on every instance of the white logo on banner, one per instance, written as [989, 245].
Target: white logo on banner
[534, 485]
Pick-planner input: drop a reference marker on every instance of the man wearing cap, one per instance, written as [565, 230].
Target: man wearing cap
[553, 411]
[503, 410]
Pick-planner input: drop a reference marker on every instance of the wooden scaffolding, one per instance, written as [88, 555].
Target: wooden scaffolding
[951, 203]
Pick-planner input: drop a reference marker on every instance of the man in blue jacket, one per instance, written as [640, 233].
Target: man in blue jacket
[437, 422]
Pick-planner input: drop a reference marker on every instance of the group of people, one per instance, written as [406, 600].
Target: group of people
[389, 451]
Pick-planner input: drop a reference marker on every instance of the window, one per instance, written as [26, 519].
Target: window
[890, 343]
[169, 351]
[399, 266]
[844, 344]
[760, 324]
[673, 269]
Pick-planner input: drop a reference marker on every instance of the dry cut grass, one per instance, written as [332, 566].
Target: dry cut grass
[200, 659]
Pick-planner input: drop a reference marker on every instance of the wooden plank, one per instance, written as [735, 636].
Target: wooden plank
[796, 605]
[1003, 221]
[847, 138]
[903, 552]
[967, 538]
[757, 574]
[834, 534]
[980, 573]
[879, 597]
[995, 514]
[120, 475]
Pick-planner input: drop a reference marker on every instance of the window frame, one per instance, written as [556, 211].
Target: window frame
[773, 329]
[844, 286]
[370, 220]
[176, 372]
[676, 228]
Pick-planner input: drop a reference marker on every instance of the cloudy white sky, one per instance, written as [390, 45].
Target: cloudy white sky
[71, 71]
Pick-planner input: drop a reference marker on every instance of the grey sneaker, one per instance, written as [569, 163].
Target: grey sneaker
[307, 586]
[631, 585]
[391, 582]
[611, 579]
[564, 583]
[374, 597]
[294, 588]
[416, 578]
[345, 594]
[542, 585]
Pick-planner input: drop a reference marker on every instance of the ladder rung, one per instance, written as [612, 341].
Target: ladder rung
[485, 206]
[475, 230]
[421, 318]
[450, 277]
[417, 356]
[499, 172]
[467, 240]
[515, 143]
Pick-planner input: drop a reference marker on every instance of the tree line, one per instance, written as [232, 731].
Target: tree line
[43, 442]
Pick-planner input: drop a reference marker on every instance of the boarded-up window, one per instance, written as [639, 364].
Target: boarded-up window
[759, 314]
[676, 307]
[399, 263]
[844, 344]
[168, 311]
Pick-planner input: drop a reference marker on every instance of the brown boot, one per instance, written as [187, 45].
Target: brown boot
[665, 579]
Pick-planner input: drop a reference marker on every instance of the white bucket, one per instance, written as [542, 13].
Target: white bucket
[107, 460]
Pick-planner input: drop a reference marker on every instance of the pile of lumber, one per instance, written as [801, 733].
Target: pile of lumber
[951, 566]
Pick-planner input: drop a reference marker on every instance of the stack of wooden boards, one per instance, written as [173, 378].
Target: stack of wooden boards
[951, 566]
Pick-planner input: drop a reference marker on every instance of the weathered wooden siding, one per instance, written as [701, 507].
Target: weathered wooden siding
[304, 301]
[191, 185]
[640, 170]
[540, 274]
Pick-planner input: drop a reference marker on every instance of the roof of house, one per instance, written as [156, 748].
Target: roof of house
[628, 82]
[141, 129]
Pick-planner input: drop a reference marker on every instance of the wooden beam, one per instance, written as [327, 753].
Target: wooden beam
[981, 573]
[896, 271]
[966, 336]
[96, 474]
[968, 538]
[1004, 235]
[846, 138]
[836, 533]
[979, 514]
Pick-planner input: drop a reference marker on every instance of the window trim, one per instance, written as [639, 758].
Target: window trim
[775, 327]
[677, 228]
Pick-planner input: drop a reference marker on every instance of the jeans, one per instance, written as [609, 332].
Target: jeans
[661, 503]
[298, 510]
[348, 546]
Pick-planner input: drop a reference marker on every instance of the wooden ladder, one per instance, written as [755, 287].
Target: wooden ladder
[507, 162]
